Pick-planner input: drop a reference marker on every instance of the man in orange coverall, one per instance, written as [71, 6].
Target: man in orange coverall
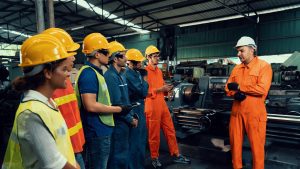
[66, 98]
[248, 84]
[157, 112]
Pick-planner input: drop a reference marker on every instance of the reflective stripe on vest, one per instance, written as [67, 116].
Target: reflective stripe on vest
[54, 122]
[103, 96]
[75, 129]
[65, 99]
[68, 106]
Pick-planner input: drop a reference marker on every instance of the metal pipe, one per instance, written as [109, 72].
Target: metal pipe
[284, 118]
[40, 22]
[51, 21]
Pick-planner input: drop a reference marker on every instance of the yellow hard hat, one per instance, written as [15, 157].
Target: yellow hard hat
[40, 49]
[94, 41]
[134, 54]
[151, 49]
[64, 38]
[115, 46]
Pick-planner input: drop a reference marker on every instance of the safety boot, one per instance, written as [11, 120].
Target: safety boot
[181, 159]
[156, 163]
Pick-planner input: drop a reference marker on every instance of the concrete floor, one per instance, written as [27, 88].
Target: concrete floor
[278, 156]
[196, 164]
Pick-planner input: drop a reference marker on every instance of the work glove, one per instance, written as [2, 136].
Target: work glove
[127, 108]
[239, 96]
[233, 86]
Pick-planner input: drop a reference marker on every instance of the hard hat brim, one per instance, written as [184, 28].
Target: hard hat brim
[74, 47]
[54, 59]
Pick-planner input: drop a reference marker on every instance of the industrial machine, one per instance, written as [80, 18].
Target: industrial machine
[202, 111]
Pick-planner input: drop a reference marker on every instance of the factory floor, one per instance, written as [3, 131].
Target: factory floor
[219, 163]
[206, 155]
[167, 163]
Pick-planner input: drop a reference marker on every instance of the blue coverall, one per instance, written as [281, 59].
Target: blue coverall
[138, 90]
[118, 91]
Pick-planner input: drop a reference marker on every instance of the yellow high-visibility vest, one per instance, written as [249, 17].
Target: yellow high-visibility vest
[55, 123]
[103, 96]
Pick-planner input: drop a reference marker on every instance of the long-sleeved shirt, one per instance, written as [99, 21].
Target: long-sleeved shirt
[137, 86]
[155, 81]
[118, 91]
[39, 149]
[254, 80]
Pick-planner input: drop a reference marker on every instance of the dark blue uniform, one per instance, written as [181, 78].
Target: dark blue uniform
[118, 91]
[137, 89]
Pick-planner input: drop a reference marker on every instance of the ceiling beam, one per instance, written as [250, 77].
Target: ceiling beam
[151, 11]
[201, 12]
[138, 11]
[235, 10]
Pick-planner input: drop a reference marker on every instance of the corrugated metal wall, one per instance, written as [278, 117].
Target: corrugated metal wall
[140, 42]
[278, 33]
[214, 42]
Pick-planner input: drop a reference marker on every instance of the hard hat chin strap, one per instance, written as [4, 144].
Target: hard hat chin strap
[36, 69]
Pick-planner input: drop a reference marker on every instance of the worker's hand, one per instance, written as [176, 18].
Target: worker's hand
[239, 96]
[77, 165]
[167, 87]
[134, 123]
[233, 86]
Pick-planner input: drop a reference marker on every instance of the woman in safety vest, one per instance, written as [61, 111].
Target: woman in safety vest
[40, 138]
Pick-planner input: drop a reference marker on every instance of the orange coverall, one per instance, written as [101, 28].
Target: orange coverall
[249, 115]
[158, 115]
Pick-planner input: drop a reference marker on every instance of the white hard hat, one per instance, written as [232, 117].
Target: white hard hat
[246, 41]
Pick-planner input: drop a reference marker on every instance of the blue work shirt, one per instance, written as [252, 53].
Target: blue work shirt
[137, 86]
[118, 91]
[88, 83]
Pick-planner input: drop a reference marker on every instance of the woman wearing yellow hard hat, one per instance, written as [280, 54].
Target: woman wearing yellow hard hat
[40, 138]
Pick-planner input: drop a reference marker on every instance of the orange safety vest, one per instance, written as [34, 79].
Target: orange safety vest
[67, 104]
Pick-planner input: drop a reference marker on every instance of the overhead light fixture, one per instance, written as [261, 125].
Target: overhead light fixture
[108, 15]
[15, 32]
[77, 28]
[122, 35]
[240, 16]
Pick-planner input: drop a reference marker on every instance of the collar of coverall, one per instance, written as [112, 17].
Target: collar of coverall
[251, 64]
[111, 67]
[151, 67]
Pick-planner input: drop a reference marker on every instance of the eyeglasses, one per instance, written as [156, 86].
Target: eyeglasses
[119, 55]
[157, 55]
[104, 51]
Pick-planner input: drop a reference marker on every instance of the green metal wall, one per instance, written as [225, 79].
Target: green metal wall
[210, 43]
[280, 33]
[140, 42]
[277, 33]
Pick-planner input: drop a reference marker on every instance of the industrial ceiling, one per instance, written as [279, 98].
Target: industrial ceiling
[122, 16]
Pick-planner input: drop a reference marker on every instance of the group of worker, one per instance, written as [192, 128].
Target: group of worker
[104, 121]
